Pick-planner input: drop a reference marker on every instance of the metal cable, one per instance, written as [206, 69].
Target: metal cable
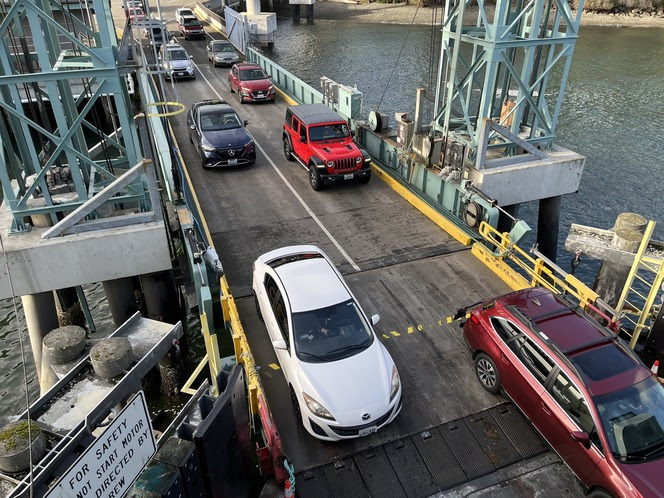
[398, 56]
[25, 373]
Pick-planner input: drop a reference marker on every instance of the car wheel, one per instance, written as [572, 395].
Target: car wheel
[230, 86]
[599, 493]
[314, 178]
[288, 150]
[364, 180]
[296, 404]
[487, 373]
[239, 94]
[258, 308]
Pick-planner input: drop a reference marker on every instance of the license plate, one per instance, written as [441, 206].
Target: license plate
[181, 74]
[368, 430]
[232, 161]
[348, 177]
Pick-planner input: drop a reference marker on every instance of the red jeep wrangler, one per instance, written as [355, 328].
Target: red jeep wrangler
[321, 141]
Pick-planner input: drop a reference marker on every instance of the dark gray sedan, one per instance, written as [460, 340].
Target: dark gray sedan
[220, 136]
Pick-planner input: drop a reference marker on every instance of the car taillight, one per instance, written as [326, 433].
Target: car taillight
[473, 318]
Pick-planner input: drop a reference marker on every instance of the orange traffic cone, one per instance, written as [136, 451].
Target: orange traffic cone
[655, 367]
[288, 491]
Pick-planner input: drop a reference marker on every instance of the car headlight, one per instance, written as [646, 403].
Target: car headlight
[249, 146]
[358, 160]
[209, 148]
[244, 90]
[270, 88]
[330, 163]
[316, 408]
[396, 383]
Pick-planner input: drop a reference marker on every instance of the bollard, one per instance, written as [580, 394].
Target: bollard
[111, 357]
[60, 346]
[15, 447]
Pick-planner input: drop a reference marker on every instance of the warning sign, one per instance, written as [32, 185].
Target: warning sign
[111, 464]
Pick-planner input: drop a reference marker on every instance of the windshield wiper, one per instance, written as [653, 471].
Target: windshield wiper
[313, 355]
[658, 449]
[348, 348]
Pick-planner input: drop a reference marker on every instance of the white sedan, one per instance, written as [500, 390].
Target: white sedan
[342, 380]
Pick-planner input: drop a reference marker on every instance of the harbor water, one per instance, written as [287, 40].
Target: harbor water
[613, 114]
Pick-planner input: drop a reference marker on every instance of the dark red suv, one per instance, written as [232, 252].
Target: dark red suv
[321, 141]
[584, 389]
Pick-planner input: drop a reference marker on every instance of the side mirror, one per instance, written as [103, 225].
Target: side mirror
[246, 122]
[280, 344]
[192, 127]
[582, 437]
[191, 57]
[375, 319]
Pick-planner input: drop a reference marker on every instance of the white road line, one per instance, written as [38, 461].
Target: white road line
[292, 189]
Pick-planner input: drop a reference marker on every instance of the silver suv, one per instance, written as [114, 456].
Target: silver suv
[174, 58]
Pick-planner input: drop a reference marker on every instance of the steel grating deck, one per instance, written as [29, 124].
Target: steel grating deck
[429, 462]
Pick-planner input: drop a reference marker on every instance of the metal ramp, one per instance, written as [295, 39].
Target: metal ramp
[71, 411]
[642, 287]
[431, 461]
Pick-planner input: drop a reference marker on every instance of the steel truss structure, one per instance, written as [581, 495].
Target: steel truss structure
[65, 105]
[510, 66]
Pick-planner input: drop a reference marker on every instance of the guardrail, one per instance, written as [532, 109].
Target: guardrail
[286, 81]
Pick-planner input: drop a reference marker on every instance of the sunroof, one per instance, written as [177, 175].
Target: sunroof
[602, 363]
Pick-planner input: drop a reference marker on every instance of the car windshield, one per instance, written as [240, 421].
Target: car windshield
[328, 132]
[252, 74]
[632, 419]
[215, 121]
[331, 333]
[222, 47]
[177, 55]
[135, 12]
[191, 22]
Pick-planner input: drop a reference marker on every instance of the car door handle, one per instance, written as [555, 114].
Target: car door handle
[504, 358]
[546, 409]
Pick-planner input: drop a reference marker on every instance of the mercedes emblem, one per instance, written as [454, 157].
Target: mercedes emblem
[231, 152]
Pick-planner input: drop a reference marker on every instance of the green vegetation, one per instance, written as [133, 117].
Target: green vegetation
[14, 435]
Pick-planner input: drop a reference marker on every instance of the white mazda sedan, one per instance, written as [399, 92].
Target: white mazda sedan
[342, 380]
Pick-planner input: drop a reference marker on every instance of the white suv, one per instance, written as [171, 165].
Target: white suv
[343, 382]
[174, 58]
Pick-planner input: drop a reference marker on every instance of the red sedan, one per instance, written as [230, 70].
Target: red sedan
[250, 83]
[584, 389]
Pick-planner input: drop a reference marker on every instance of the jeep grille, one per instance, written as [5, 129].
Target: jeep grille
[342, 165]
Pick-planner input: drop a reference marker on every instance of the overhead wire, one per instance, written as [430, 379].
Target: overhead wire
[399, 56]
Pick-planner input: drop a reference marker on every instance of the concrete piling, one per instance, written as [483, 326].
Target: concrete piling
[59, 346]
[69, 308]
[160, 296]
[548, 223]
[17, 439]
[111, 357]
[611, 277]
[41, 317]
[120, 298]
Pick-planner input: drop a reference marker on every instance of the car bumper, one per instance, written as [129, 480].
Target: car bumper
[194, 35]
[215, 160]
[183, 73]
[254, 97]
[350, 175]
[327, 430]
[225, 62]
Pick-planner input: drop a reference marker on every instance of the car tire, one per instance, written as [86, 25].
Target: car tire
[364, 180]
[487, 373]
[296, 404]
[288, 149]
[239, 94]
[258, 308]
[598, 493]
[230, 86]
[314, 178]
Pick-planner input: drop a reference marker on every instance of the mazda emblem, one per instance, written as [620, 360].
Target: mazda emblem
[231, 152]
[366, 416]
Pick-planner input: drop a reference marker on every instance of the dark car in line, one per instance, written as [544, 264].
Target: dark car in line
[220, 136]
[582, 387]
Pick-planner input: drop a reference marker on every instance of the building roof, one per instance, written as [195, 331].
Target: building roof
[315, 113]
